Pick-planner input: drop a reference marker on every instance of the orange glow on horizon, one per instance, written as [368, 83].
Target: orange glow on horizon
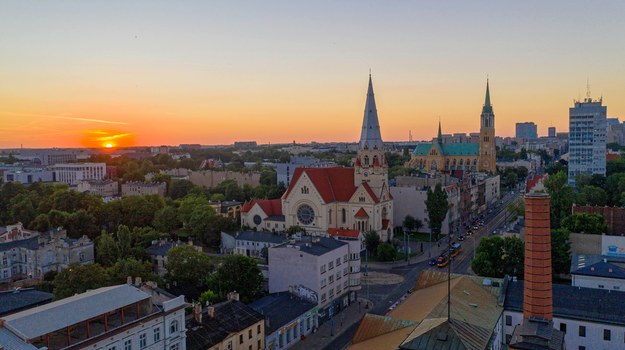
[106, 139]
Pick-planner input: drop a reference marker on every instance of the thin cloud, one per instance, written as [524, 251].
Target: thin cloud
[64, 117]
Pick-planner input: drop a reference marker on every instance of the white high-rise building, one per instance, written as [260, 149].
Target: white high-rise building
[587, 138]
[72, 173]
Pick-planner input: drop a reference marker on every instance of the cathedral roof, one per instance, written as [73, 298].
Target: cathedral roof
[449, 149]
[487, 106]
[370, 135]
[271, 207]
[371, 193]
[334, 184]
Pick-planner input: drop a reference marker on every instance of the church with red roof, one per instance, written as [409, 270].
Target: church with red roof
[338, 201]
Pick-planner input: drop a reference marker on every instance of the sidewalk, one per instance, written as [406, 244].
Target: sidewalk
[345, 319]
[428, 253]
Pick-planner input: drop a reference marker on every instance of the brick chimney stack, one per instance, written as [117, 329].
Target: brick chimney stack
[537, 293]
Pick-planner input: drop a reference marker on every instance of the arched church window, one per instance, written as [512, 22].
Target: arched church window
[366, 160]
[375, 160]
[433, 166]
[384, 213]
[475, 161]
[461, 162]
[330, 217]
[454, 163]
[343, 215]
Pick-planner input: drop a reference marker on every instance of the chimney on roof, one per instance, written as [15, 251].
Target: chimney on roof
[129, 280]
[197, 312]
[138, 281]
[537, 293]
[233, 296]
[210, 311]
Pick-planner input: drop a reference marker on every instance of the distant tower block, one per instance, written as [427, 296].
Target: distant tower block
[537, 300]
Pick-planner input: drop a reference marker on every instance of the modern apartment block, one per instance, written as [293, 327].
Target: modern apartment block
[320, 265]
[108, 318]
[526, 130]
[102, 188]
[72, 173]
[587, 138]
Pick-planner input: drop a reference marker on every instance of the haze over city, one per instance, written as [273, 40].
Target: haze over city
[76, 74]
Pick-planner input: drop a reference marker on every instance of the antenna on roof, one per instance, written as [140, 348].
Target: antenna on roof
[588, 89]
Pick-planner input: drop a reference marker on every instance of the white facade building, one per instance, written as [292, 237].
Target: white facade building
[72, 173]
[587, 138]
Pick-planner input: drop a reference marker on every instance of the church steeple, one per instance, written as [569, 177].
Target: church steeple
[440, 133]
[487, 107]
[370, 137]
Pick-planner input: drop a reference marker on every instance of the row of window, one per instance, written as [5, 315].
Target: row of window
[581, 331]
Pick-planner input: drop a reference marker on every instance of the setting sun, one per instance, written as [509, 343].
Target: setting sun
[108, 145]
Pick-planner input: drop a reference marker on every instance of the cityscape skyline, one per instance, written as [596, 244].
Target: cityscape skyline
[282, 72]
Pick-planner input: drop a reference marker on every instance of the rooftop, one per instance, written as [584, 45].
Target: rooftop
[47, 318]
[230, 317]
[588, 304]
[601, 269]
[261, 236]
[16, 300]
[280, 309]
[160, 248]
[313, 245]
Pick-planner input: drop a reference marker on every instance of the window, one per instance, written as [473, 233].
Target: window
[563, 327]
[338, 261]
[601, 286]
[582, 331]
[581, 347]
[343, 215]
[143, 341]
[331, 279]
[177, 346]
[607, 335]
[112, 347]
[128, 344]
[173, 326]
[323, 297]
[258, 329]
[157, 334]
[508, 320]
[323, 282]
[322, 269]
[249, 334]
[240, 338]
[229, 345]
[259, 344]
[330, 265]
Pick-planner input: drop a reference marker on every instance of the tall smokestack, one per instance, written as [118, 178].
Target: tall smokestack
[537, 293]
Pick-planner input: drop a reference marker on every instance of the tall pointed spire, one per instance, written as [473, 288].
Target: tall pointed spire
[487, 107]
[370, 136]
[440, 132]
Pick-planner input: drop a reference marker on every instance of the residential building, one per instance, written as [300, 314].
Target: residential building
[144, 189]
[116, 317]
[551, 132]
[587, 138]
[245, 144]
[227, 209]
[72, 173]
[102, 188]
[229, 325]
[421, 319]
[319, 264]
[251, 243]
[526, 131]
[212, 178]
[477, 155]
[602, 274]
[158, 254]
[19, 299]
[28, 175]
[52, 156]
[26, 254]
[289, 317]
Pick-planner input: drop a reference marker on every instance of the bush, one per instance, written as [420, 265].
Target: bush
[386, 252]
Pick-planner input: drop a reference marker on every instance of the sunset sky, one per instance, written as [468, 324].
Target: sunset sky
[91, 73]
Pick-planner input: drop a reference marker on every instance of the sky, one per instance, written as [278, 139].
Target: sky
[123, 73]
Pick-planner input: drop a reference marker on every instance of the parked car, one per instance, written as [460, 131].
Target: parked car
[432, 262]
[469, 233]
[476, 227]
[461, 238]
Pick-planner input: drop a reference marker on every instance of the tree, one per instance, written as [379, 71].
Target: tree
[81, 223]
[560, 251]
[411, 224]
[21, 209]
[386, 252]
[107, 252]
[180, 188]
[78, 279]
[123, 268]
[124, 241]
[561, 198]
[592, 195]
[496, 256]
[208, 297]
[201, 223]
[237, 273]
[372, 240]
[166, 219]
[615, 166]
[41, 223]
[437, 207]
[523, 154]
[295, 229]
[188, 266]
[511, 179]
[585, 223]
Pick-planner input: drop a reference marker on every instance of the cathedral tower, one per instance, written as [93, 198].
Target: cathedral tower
[370, 164]
[487, 136]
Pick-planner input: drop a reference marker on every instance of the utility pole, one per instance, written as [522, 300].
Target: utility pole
[449, 278]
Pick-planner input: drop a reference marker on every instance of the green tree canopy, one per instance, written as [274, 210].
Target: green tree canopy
[372, 240]
[496, 256]
[561, 197]
[106, 249]
[187, 266]
[585, 223]
[237, 273]
[132, 267]
[592, 195]
[166, 219]
[78, 279]
[437, 207]
[560, 251]
[386, 252]
[411, 224]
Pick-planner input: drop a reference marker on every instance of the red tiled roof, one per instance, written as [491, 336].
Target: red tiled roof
[361, 213]
[341, 232]
[612, 156]
[269, 206]
[335, 184]
[371, 193]
[531, 182]
[385, 223]
[247, 206]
